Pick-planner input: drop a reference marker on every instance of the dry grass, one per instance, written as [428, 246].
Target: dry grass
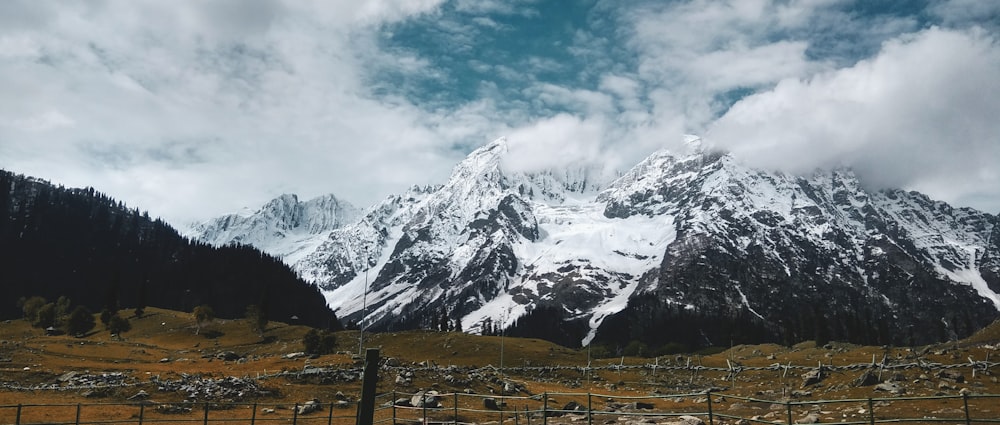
[36, 359]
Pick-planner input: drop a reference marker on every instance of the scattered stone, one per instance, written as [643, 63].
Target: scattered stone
[309, 407]
[141, 395]
[67, 376]
[890, 387]
[490, 403]
[227, 356]
[295, 355]
[952, 375]
[172, 409]
[430, 399]
[812, 377]
[867, 379]
[801, 394]
[808, 419]
[574, 407]
[686, 420]
[267, 410]
[165, 360]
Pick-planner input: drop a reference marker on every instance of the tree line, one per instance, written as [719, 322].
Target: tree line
[84, 245]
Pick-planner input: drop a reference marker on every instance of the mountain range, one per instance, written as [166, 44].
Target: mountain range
[689, 248]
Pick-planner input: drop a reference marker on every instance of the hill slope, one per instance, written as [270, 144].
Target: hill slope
[84, 245]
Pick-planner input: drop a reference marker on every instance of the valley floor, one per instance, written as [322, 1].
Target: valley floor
[163, 362]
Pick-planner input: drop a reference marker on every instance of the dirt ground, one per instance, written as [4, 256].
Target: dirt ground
[164, 351]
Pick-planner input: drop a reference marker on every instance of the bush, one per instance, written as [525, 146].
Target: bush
[319, 342]
[118, 325]
[80, 321]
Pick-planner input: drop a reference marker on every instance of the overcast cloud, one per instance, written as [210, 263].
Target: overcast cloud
[192, 109]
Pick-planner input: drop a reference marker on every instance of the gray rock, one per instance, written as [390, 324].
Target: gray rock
[808, 419]
[309, 407]
[490, 403]
[429, 399]
[891, 387]
[867, 379]
[812, 377]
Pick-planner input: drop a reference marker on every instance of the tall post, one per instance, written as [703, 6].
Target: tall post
[295, 414]
[329, 419]
[965, 402]
[253, 415]
[545, 408]
[393, 407]
[590, 409]
[788, 407]
[77, 414]
[206, 414]
[142, 409]
[364, 308]
[17, 419]
[710, 420]
[871, 411]
[366, 408]
[456, 407]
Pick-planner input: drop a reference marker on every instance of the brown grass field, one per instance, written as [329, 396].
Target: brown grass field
[164, 344]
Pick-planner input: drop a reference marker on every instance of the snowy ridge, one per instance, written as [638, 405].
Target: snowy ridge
[695, 230]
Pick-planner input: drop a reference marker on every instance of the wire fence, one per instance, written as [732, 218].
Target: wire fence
[543, 409]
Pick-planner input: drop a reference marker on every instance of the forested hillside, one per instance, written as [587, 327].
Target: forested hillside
[81, 244]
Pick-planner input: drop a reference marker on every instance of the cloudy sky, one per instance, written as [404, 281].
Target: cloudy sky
[191, 109]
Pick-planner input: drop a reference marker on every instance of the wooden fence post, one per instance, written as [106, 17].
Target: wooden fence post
[545, 408]
[871, 411]
[965, 402]
[206, 413]
[77, 414]
[788, 409]
[142, 409]
[17, 419]
[456, 407]
[393, 407]
[366, 407]
[253, 415]
[710, 420]
[423, 402]
[329, 419]
[590, 409]
[295, 414]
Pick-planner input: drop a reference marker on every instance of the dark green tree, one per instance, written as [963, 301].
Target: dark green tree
[118, 325]
[319, 342]
[257, 319]
[45, 317]
[80, 321]
[30, 307]
[202, 315]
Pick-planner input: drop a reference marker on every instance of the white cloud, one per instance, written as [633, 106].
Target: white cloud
[920, 115]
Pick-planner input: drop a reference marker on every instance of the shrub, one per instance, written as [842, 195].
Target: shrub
[319, 342]
[80, 321]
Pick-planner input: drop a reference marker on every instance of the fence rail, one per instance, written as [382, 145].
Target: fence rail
[542, 409]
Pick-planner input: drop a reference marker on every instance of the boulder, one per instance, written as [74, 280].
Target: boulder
[812, 377]
[490, 403]
[309, 407]
[867, 379]
[429, 399]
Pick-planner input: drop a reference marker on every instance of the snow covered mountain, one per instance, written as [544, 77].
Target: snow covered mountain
[695, 242]
[284, 227]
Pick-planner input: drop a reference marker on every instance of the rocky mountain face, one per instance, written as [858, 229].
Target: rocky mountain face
[687, 248]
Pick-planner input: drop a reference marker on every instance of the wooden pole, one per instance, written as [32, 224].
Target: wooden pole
[366, 408]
